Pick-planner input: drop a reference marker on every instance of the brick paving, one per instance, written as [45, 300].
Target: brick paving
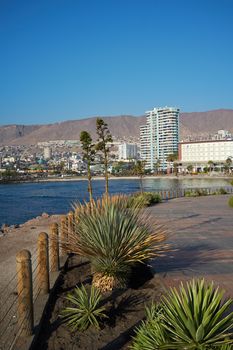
[202, 234]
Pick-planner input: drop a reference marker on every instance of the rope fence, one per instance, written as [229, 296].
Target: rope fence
[32, 279]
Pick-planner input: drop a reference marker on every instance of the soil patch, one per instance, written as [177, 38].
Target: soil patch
[125, 309]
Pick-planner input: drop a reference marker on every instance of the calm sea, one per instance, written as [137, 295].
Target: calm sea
[21, 202]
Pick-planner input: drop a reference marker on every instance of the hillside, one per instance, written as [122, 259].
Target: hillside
[196, 123]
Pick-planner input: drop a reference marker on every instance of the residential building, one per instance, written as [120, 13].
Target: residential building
[127, 151]
[223, 134]
[47, 153]
[160, 136]
[200, 152]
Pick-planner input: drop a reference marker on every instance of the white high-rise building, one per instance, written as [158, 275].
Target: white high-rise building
[160, 136]
[127, 151]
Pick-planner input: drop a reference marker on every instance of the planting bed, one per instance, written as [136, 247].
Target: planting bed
[125, 310]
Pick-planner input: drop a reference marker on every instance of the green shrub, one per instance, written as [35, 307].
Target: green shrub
[114, 237]
[193, 318]
[230, 202]
[84, 310]
[222, 191]
[144, 199]
[201, 192]
[196, 192]
[231, 182]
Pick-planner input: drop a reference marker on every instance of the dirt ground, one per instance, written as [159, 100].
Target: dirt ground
[125, 309]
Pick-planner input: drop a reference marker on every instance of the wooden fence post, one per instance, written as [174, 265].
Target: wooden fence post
[54, 247]
[63, 235]
[25, 297]
[43, 262]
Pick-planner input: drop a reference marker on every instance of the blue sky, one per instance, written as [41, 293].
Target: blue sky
[64, 59]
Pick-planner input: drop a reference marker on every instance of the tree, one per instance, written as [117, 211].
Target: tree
[175, 166]
[139, 170]
[172, 157]
[190, 168]
[88, 155]
[104, 138]
[157, 166]
[228, 163]
[211, 164]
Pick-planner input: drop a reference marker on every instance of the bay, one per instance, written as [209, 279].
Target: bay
[23, 201]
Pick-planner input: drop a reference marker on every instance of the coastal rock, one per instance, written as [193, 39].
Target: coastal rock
[32, 221]
[14, 226]
[5, 228]
[45, 215]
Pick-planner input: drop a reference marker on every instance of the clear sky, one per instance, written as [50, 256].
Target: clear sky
[69, 59]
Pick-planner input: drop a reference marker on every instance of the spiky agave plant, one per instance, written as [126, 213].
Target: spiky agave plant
[151, 334]
[195, 316]
[192, 319]
[114, 237]
[84, 309]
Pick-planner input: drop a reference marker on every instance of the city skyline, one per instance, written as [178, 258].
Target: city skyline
[72, 60]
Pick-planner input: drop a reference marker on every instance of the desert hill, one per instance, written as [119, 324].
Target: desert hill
[124, 126]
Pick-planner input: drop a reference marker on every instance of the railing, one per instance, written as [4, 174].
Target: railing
[32, 279]
[170, 193]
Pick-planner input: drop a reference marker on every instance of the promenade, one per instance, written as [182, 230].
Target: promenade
[23, 237]
[202, 232]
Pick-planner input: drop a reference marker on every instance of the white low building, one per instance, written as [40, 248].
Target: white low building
[127, 151]
[203, 151]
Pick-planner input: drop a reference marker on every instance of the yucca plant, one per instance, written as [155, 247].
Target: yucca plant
[151, 334]
[192, 319]
[84, 310]
[114, 237]
[195, 316]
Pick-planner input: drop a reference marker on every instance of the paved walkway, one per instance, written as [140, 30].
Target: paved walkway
[202, 232]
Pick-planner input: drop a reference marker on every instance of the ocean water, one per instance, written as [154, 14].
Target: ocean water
[23, 201]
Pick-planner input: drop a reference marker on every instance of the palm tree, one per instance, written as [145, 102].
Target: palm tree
[228, 163]
[175, 166]
[190, 168]
[172, 157]
[211, 164]
[157, 166]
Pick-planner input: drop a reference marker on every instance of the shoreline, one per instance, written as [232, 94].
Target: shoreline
[97, 178]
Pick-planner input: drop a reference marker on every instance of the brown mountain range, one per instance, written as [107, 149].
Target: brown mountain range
[124, 126]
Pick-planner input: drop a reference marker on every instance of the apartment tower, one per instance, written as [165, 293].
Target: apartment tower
[160, 136]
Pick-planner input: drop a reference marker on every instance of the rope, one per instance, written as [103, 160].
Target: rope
[9, 283]
[10, 307]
